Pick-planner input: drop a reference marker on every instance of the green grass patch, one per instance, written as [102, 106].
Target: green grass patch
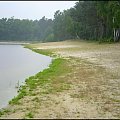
[40, 51]
[106, 40]
[22, 93]
[29, 115]
[48, 76]
[3, 111]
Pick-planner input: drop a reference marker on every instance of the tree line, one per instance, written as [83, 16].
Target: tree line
[26, 30]
[87, 20]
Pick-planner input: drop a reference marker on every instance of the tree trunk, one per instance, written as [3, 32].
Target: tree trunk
[77, 36]
[114, 32]
[117, 35]
[95, 33]
[102, 30]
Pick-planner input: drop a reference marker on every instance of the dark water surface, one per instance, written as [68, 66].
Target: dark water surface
[17, 64]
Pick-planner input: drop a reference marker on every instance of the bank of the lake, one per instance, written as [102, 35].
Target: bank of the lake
[77, 84]
[41, 84]
[16, 64]
[14, 43]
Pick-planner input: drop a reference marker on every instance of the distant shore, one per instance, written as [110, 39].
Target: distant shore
[13, 43]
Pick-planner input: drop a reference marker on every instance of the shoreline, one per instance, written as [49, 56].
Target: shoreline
[18, 89]
[6, 110]
[74, 85]
[13, 43]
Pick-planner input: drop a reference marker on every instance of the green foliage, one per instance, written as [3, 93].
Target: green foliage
[107, 11]
[62, 26]
[87, 20]
[50, 38]
[25, 30]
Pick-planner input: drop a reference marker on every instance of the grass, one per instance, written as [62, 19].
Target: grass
[3, 111]
[21, 94]
[40, 51]
[29, 115]
[43, 78]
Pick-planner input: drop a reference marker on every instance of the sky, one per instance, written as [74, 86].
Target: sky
[33, 10]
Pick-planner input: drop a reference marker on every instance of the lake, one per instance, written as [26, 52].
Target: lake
[16, 64]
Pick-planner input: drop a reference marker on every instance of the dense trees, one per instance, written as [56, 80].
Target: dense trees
[62, 25]
[16, 29]
[88, 20]
[109, 13]
[85, 17]
[94, 20]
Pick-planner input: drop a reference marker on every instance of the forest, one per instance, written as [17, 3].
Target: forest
[87, 20]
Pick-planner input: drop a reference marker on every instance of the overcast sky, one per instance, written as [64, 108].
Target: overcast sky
[32, 9]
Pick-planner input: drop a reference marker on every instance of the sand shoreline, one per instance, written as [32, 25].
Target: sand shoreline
[94, 84]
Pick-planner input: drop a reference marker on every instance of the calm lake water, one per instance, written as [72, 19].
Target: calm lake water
[17, 64]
